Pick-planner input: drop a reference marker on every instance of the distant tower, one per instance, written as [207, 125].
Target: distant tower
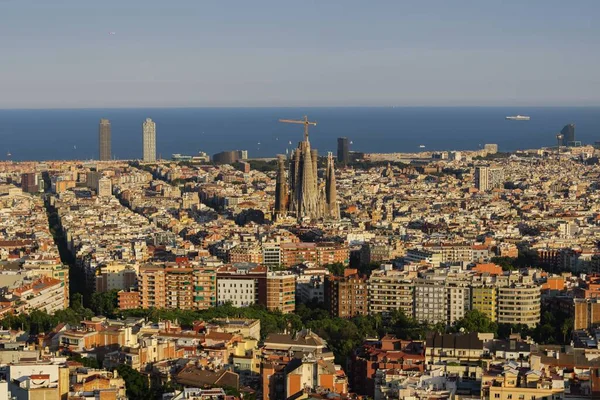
[104, 139]
[332, 206]
[149, 139]
[281, 190]
[568, 133]
[559, 142]
[343, 151]
[307, 198]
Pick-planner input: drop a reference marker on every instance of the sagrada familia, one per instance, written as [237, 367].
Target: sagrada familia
[299, 192]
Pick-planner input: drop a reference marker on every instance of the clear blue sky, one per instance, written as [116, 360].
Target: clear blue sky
[59, 53]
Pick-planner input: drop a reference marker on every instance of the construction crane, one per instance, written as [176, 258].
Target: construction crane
[304, 122]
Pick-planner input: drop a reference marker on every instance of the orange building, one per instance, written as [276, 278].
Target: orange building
[293, 254]
[332, 253]
[281, 291]
[297, 253]
[128, 300]
[308, 373]
[491, 269]
[347, 296]
[554, 283]
[587, 313]
[174, 286]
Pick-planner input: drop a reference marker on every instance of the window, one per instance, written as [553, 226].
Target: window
[496, 395]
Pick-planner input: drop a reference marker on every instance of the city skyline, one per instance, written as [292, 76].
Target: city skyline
[346, 53]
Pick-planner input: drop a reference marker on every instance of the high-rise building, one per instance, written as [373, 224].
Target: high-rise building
[495, 177]
[519, 304]
[230, 157]
[281, 291]
[481, 178]
[104, 139]
[104, 187]
[488, 178]
[390, 290]
[568, 133]
[32, 182]
[149, 139]
[343, 150]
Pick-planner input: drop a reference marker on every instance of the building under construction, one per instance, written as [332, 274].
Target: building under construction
[299, 192]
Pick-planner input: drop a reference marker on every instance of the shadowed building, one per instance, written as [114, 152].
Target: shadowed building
[343, 151]
[281, 189]
[104, 139]
[568, 133]
[332, 206]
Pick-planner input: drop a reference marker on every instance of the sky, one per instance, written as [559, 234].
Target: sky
[260, 53]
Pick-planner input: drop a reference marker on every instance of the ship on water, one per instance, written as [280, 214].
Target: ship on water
[518, 118]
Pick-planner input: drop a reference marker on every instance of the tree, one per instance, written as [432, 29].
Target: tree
[567, 327]
[336, 268]
[136, 383]
[105, 303]
[476, 321]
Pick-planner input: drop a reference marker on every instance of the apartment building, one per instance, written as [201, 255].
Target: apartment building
[332, 253]
[271, 254]
[426, 256]
[391, 290]
[310, 284]
[117, 276]
[431, 300]
[317, 253]
[240, 292]
[245, 252]
[41, 294]
[347, 296]
[281, 291]
[512, 384]
[484, 300]
[163, 286]
[298, 253]
[242, 286]
[519, 304]
[459, 300]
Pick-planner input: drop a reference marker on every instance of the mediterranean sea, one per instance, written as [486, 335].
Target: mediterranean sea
[59, 134]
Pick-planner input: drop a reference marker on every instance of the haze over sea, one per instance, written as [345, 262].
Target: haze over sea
[73, 133]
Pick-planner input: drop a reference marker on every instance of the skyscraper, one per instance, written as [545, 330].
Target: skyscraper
[568, 133]
[104, 139]
[343, 152]
[481, 178]
[149, 138]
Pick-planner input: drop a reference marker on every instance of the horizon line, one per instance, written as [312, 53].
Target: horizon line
[292, 107]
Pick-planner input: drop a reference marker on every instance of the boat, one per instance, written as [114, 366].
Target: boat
[422, 146]
[518, 118]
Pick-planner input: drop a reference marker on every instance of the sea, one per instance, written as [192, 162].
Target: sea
[67, 134]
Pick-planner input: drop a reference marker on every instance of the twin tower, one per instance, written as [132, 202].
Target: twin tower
[299, 193]
[148, 138]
